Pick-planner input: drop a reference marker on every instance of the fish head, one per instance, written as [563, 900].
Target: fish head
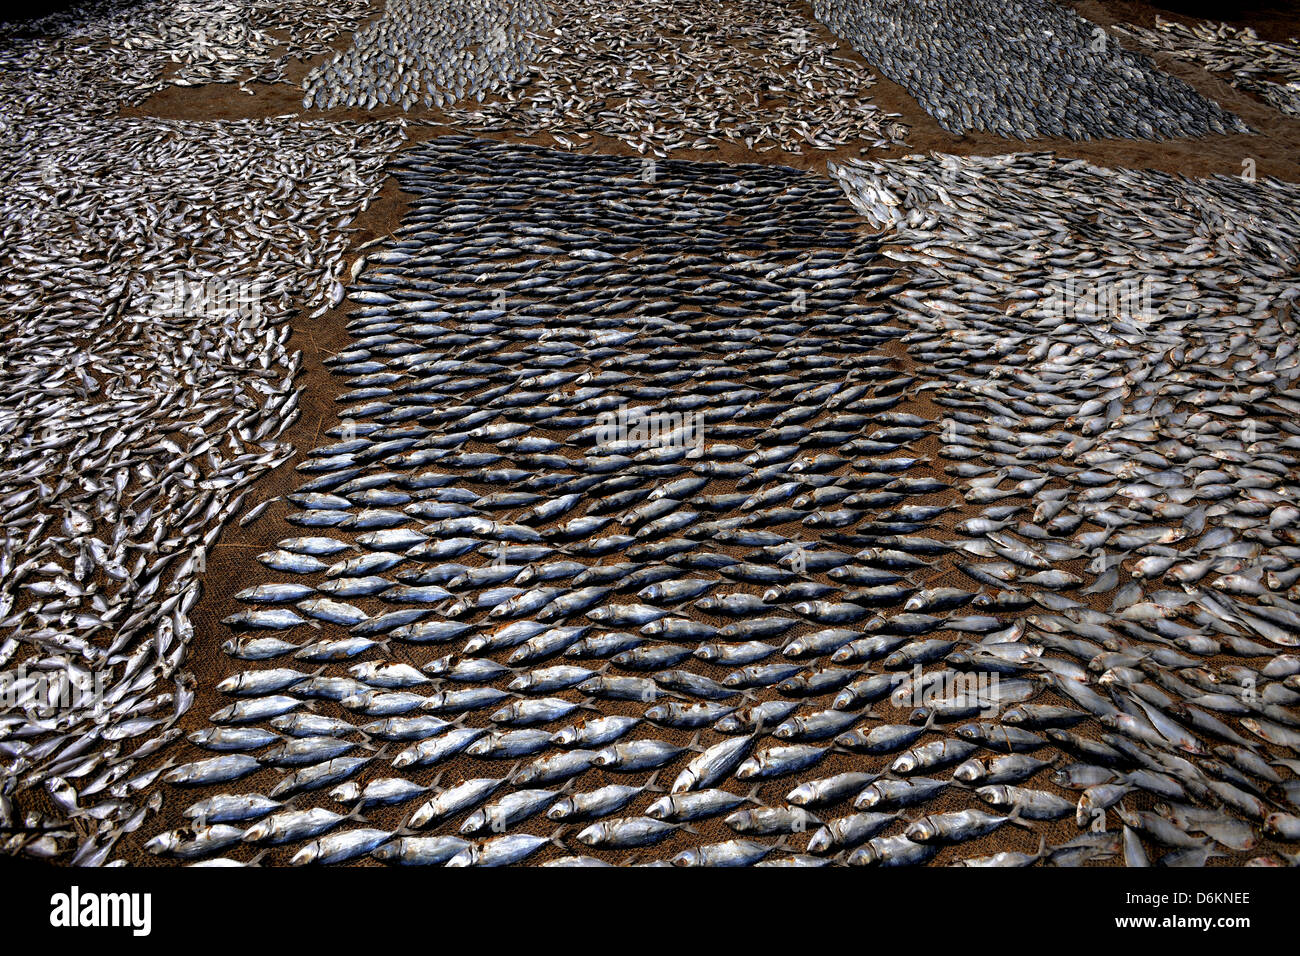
[561, 809]
[923, 830]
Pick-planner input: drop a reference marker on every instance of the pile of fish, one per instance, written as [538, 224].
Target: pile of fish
[1268, 69]
[1022, 69]
[150, 269]
[432, 52]
[663, 75]
[1116, 359]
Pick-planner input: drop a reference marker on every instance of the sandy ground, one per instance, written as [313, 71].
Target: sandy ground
[1276, 150]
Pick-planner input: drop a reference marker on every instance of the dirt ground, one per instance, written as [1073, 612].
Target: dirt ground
[1276, 151]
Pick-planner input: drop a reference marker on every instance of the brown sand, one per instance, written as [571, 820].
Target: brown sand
[231, 566]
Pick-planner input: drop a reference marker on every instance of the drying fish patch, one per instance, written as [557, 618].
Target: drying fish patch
[528, 611]
[1266, 68]
[1128, 459]
[1023, 69]
[95, 55]
[432, 52]
[660, 76]
[145, 383]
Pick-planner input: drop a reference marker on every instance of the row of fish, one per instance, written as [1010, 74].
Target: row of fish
[1269, 69]
[1022, 69]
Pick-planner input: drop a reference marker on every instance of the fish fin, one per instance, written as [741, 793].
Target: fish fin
[510, 775]
[752, 796]
[1014, 819]
[357, 816]
[695, 743]
[558, 838]
[652, 786]
[688, 828]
